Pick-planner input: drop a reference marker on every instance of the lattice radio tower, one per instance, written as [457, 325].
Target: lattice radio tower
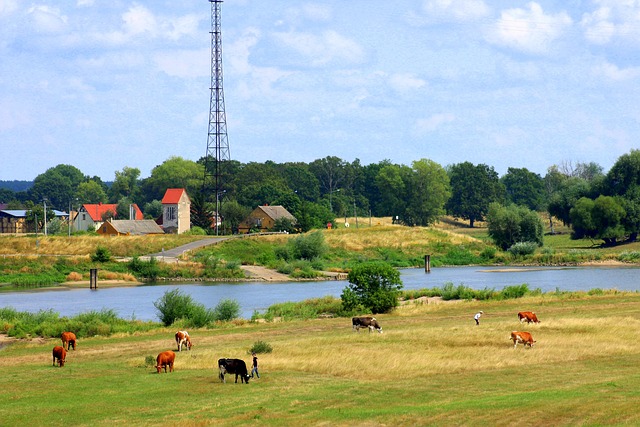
[217, 142]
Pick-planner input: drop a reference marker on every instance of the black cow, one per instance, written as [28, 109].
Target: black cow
[366, 322]
[233, 366]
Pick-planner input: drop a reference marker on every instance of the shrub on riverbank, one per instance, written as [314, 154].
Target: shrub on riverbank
[49, 324]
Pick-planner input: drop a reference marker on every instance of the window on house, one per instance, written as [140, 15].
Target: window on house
[170, 214]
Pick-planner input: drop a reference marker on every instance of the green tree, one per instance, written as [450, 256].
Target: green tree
[524, 188]
[571, 189]
[175, 172]
[330, 172]
[233, 213]
[90, 192]
[508, 225]
[153, 209]
[58, 185]
[126, 184]
[392, 189]
[600, 218]
[427, 192]
[473, 189]
[202, 212]
[372, 286]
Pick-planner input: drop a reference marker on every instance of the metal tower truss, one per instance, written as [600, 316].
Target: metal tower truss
[217, 141]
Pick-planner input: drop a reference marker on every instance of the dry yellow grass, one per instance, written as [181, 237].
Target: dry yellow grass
[85, 245]
[424, 339]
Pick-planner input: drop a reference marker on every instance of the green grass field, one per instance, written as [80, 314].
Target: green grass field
[431, 366]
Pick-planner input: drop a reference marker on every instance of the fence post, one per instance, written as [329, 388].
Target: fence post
[427, 263]
[93, 278]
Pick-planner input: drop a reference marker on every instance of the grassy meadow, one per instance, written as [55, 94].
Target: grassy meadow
[431, 366]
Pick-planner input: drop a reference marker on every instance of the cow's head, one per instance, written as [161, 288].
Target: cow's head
[246, 378]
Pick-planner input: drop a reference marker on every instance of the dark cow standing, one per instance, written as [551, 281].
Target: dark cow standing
[164, 359]
[68, 340]
[59, 353]
[233, 366]
[366, 322]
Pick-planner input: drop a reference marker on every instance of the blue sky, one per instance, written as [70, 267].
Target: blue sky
[102, 85]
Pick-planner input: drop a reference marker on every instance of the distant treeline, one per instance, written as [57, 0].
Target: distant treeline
[16, 186]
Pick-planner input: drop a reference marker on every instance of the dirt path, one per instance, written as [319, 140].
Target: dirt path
[263, 273]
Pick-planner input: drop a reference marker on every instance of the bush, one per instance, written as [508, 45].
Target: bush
[260, 347]
[308, 246]
[516, 291]
[522, 249]
[226, 310]
[508, 225]
[374, 286]
[174, 305]
[149, 270]
[101, 254]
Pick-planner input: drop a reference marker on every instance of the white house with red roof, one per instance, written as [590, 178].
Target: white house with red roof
[176, 211]
[93, 215]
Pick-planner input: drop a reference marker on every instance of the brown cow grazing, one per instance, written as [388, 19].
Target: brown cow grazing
[366, 322]
[59, 353]
[164, 359]
[183, 338]
[524, 338]
[69, 340]
[233, 366]
[528, 316]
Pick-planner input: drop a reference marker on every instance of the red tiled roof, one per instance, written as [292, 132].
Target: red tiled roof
[96, 211]
[172, 196]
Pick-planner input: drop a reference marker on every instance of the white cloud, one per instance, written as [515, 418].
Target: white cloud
[529, 30]
[322, 49]
[612, 19]
[317, 12]
[612, 72]
[140, 22]
[454, 10]
[405, 82]
[7, 7]
[82, 3]
[45, 19]
[433, 122]
[186, 64]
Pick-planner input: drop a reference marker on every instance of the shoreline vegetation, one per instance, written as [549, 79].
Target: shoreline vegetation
[63, 261]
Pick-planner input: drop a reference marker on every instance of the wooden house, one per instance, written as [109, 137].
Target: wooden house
[128, 227]
[263, 218]
[176, 211]
[93, 215]
[15, 220]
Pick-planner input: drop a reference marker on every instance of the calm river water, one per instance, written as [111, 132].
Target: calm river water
[137, 302]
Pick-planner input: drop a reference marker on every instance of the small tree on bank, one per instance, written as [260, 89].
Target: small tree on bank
[372, 286]
[513, 224]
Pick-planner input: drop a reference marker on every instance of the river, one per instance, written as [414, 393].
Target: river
[137, 302]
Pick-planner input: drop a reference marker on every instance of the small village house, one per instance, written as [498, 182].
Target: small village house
[93, 215]
[127, 227]
[14, 220]
[176, 211]
[263, 218]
